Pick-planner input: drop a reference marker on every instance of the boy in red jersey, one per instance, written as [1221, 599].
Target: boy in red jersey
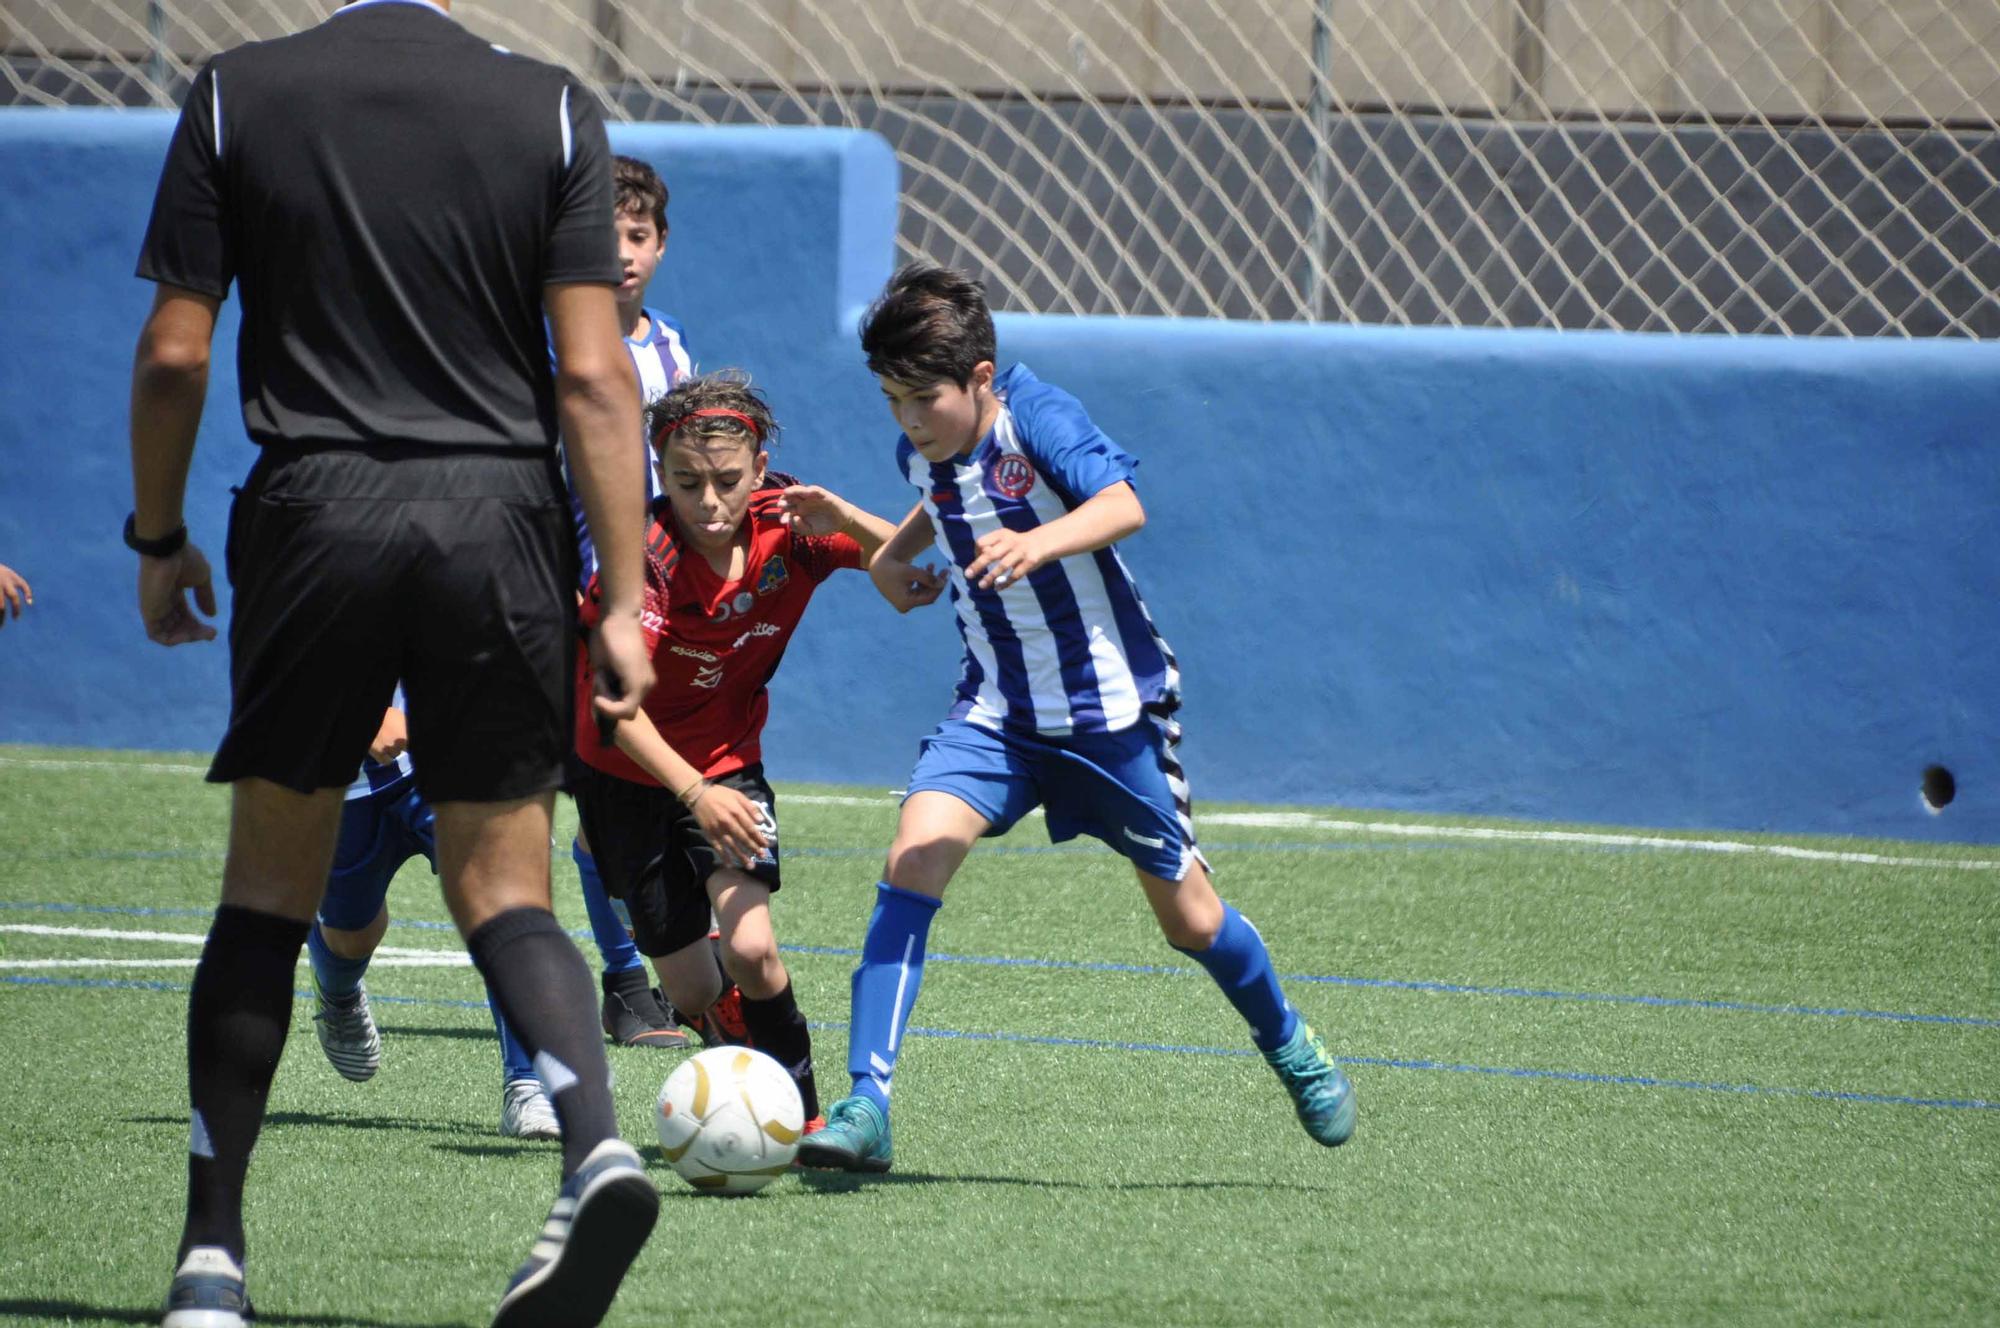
[674, 804]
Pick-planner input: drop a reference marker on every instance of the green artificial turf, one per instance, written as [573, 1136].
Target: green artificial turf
[1600, 1083]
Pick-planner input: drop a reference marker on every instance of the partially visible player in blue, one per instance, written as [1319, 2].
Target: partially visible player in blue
[384, 823]
[1066, 697]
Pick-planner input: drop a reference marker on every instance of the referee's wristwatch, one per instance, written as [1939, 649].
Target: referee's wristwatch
[166, 546]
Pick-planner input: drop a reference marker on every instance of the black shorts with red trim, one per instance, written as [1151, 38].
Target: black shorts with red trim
[651, 853]
[355, 568]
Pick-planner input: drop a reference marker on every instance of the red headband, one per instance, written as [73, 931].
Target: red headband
[673, 426]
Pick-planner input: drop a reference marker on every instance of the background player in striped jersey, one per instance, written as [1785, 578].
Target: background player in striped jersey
[1066, 697]
[676, 804]
[634, 1014]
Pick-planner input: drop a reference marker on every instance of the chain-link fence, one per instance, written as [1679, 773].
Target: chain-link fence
[1793, 166]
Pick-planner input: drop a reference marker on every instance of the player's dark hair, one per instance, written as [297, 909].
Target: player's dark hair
[722, 404]
[639, 189]
[929, 323]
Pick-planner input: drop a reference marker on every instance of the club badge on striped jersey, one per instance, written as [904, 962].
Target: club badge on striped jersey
[1012, 476]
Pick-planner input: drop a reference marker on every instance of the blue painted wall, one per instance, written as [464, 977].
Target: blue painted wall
[1682, 582]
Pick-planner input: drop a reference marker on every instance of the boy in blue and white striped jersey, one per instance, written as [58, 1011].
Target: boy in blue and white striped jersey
[1066, 697]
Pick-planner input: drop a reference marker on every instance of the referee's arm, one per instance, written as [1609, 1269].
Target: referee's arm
[597, 397]
[169, 385]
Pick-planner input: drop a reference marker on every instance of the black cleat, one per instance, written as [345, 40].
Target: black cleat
[635, 1015]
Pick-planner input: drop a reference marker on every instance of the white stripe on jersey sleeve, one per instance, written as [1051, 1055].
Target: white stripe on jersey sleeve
[215, 107]
[567, 144]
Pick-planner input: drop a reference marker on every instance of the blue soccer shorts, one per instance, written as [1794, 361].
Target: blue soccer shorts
[1124, 788]
[378, 834]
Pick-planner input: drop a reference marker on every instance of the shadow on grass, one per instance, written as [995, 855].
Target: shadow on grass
[74, 1312]
[284, 1119]
[844, 1182]
[478, 1033]
[506, 1148]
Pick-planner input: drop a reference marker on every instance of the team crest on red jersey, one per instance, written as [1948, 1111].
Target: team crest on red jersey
[1013, 477]
[773, 576]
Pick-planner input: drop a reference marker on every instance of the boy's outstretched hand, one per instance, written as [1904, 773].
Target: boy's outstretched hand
[905, 585]
[811, 510]
[14, 593]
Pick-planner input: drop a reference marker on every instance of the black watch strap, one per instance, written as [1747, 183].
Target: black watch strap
[166, 546]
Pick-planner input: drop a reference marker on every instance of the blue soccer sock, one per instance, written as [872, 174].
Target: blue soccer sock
[614, 942]
[1241, 966]
[338, 978]
[515, 1062]
[885, 987]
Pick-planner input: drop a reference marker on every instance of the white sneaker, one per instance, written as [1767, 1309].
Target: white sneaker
[207, 1292]
[526, 1112]
[347, 1034]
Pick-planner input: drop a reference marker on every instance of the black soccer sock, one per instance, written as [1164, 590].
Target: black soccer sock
[543, 987]
[779, 1031]
[238, 1014]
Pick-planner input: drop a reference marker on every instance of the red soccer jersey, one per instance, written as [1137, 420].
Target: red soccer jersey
[714, 643]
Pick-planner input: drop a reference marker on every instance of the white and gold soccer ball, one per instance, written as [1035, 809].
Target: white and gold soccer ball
[730, 1119]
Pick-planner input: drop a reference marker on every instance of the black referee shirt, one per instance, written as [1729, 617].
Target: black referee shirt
[391, 193]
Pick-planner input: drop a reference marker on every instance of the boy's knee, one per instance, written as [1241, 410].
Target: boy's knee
[351, 944]
[1186, 933]
[1189, 912]
[743, 955]
[923, 866]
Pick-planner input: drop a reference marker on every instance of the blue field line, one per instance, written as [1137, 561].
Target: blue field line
[1174, 1049]
[876, 851]
[1446, 988]
[1177, 970]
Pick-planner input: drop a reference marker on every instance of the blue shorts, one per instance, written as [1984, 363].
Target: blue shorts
[1124, 788]
[378, 834]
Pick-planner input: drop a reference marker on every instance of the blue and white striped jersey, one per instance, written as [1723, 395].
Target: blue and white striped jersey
[663, 360]
[1072, 649]
[661, 356]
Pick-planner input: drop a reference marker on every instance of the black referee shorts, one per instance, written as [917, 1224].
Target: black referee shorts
[451, 572]
[652, 854]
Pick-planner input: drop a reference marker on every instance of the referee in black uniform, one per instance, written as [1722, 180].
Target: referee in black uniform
[400, 204]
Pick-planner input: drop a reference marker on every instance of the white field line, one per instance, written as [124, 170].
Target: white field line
[163, 961]
[1648, 841]
[104, 933]
[388, 956]
[142, 767]
[1309, 821]
[437, 959]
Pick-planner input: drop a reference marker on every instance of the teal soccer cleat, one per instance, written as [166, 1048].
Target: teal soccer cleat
[1324, 1097]
[856, 1138]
